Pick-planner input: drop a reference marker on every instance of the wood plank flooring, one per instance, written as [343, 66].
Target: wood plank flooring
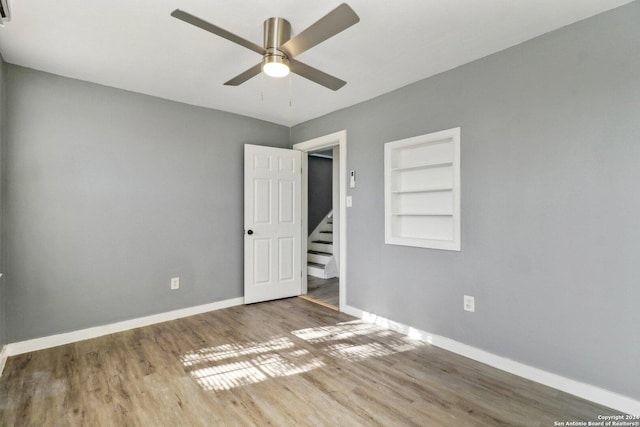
[324, 290]
[287, 362]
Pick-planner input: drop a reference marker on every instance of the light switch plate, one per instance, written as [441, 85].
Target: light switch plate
[469, 303]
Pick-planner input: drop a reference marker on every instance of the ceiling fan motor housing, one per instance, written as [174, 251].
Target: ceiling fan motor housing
[275, 62]
[277, 31]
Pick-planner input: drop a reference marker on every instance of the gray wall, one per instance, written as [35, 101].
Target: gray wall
[110, 194]
[3, 109]
[550, 202]
[320, 172]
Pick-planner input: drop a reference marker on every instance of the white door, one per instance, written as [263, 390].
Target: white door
[272, 223]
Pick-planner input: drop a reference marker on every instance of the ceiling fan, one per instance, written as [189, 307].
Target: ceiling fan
[279, 48]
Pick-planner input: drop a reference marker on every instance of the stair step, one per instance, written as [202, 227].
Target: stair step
[320, 253]
[323, 242]
[318, 257]
[315, 270]
[326, 232]
[321, 247]
[315, 264]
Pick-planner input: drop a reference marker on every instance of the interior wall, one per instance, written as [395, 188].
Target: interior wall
[550, 156]
[111, 194]
[320, 174]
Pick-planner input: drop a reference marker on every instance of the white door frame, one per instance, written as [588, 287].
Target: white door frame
[338, 139]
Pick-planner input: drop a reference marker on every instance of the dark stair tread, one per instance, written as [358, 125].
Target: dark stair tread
[320, 253]
[324, 242]
[327, 232]
[315, 264]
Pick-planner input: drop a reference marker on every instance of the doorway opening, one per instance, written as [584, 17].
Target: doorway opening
[322, 264]
[324, 216]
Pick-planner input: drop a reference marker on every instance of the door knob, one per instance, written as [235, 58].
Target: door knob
[250, 232]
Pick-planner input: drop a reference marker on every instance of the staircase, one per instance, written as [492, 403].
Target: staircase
[320, 260]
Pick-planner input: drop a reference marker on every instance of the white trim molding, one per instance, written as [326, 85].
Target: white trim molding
[586, 391]
[336, 139]
[36, 344]
[3, 358]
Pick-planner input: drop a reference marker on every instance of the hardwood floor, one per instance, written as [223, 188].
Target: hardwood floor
[287, 362]
[326, 291]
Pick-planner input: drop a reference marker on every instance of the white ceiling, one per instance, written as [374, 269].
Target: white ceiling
[137, 46]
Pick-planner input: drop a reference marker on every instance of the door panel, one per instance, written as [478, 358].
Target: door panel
[272, 182]
[262, 198]
[262, 261]
[286, 254]
[286, 199]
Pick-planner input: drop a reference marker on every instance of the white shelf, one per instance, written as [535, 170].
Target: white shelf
[422, 191]
[420, 214]
[423, 166]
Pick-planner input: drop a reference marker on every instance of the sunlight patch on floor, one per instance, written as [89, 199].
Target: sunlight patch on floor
[340, 331]
[228, 376]
[344, 340]
[356, 353]
[253, 370]
[228, 351]
[233, 365]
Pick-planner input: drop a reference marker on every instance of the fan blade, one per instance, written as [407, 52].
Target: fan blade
[339, 19]
[243, 77]
[315, 75]
[207, 26]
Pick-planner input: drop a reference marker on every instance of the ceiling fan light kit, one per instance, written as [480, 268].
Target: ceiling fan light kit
[275, 65]
[279, 48]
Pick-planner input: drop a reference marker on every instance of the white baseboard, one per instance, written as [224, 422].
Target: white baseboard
[586, 391]
[3, 358]
[21, 347]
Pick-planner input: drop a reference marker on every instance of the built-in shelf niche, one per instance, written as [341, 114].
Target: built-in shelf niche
[422, 191]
